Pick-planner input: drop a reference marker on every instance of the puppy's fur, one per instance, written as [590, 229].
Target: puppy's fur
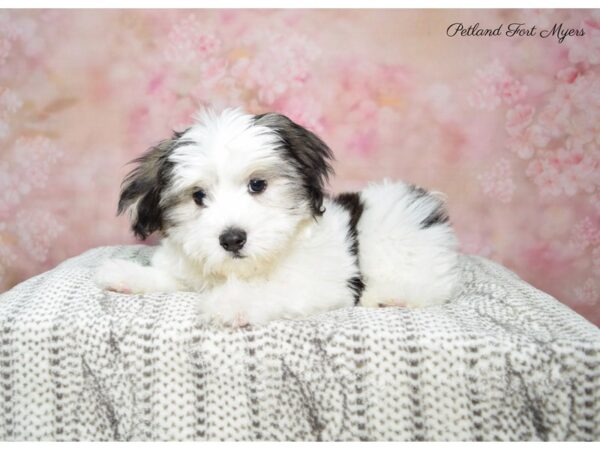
[289, 250]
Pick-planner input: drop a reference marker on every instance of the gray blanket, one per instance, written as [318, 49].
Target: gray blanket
[500, 361]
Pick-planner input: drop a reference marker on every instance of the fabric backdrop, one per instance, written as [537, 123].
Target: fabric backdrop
[507, 126]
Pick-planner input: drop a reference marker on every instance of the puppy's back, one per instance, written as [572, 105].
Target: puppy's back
[407, 248]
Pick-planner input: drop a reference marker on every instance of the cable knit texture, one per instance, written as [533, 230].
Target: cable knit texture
[501, 361]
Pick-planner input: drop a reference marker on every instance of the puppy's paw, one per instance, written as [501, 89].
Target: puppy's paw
[118, 275]
[394, 302]
[232, 319]
[224, 308]
[240, 320]
[371, 302]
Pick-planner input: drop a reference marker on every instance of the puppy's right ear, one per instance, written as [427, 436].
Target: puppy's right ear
[142, 188]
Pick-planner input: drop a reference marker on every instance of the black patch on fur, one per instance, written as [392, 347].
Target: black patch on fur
[178, 134]
[144, 185]
[306, 152]
[357, 285]
[350, 201]
[438, 216]
[417, 192]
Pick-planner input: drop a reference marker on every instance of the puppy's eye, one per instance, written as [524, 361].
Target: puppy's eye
[199, 197]
[257, 186]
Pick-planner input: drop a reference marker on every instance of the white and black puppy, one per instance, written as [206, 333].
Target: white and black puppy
[240, 202]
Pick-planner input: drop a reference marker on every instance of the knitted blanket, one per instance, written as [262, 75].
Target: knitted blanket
[501, 361]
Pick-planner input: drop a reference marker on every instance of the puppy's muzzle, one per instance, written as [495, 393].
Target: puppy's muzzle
[232, 239]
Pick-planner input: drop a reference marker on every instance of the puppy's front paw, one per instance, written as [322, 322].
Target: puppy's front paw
[393, 303]
[237, 319]
[240, 320]
[225, 307]
[118, 275]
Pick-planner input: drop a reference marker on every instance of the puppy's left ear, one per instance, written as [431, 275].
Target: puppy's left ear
[306, 152]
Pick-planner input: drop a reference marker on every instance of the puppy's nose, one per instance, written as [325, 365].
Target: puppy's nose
[232, 239]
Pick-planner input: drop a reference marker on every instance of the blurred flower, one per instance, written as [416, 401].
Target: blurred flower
[586, 48]
[362, 142]
[521, 147]
[302, 109]
[518, 118]
[537, 136]
[493, 85]
[497, 182]
[512, 91]
[588, 293]
[585, 234]
[568, 74]
[10, 102]
[28, 168]
[273, 70]
[188, 42]
[36, 230]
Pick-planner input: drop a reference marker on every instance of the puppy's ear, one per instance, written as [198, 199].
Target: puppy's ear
[306, 152]
[142, 187]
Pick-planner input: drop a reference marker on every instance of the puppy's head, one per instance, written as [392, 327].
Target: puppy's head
[232, 190]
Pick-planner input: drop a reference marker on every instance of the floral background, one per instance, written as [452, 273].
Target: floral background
[508, 127]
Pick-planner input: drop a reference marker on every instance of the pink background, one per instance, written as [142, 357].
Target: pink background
[509, 128]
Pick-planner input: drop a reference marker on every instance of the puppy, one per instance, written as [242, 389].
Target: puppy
[241, 206]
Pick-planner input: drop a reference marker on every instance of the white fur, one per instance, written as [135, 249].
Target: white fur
[401, 262]
[293, 264]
